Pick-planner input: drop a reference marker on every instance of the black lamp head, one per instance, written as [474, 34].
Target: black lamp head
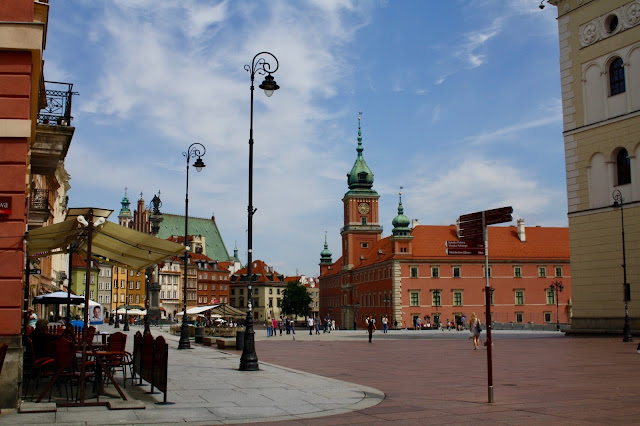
[199, 164]
[269, 85]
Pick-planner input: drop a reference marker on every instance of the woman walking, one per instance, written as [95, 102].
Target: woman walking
[474, 327]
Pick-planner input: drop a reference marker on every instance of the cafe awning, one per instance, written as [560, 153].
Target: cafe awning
[118, 245]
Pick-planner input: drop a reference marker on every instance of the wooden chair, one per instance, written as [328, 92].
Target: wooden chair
[119, 358]
[36, 367]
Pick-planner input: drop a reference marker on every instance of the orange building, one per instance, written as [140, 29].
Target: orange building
[410, 275]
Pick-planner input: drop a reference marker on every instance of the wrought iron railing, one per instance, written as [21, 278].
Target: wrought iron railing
[39, 199]
[58, 109]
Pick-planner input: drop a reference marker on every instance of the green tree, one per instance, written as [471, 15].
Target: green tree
[295, 299]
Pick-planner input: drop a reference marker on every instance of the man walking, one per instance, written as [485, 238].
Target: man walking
[310, 324]
[371, 325]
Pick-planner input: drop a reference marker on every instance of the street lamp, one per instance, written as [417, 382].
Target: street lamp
[626, 331]
[355, 315]
[249, 359]
[195, 150]
[386, 301]
[557, 287]
[117, 320]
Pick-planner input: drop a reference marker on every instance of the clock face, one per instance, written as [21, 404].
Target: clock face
[363, 208]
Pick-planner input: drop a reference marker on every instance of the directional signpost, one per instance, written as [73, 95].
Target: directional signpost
[474, 240]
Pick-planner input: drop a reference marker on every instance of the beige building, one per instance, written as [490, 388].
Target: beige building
[600, 79]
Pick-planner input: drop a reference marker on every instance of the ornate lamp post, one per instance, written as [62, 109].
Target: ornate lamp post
[151, 274]
[386, 301]
[249, 359]
[557, 287]
[626, 331]
[195, 150]
[355, 315]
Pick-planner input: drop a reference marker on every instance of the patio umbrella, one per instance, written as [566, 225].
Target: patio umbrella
[58, 298]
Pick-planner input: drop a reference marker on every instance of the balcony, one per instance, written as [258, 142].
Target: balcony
[53, 129]
[38, 207]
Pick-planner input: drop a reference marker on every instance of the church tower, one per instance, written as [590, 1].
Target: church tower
[401, 235]
[361, 222]
[124, 218]
[325, 258]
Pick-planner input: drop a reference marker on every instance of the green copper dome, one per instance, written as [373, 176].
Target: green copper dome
[125, 211]
[401, 222]
[325, 255]
[361, 175]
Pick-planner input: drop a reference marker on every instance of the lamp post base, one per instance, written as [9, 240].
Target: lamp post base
[117, 323]
[249, 358]
[184, 337]
[627, 331]
[126, 323]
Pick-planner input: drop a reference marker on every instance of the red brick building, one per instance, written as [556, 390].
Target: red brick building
[409, 273]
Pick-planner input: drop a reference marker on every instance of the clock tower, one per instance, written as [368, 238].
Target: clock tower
[361, 222]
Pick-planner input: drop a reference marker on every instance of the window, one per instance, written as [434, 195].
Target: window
[558, 271]
[162, 295]
[199, 299]
[491, 297]
[205, 300]
[270, 291]
[271, 302]
[456, 272]
[623, 165]
[547, 317]
[130, 285]
[130, 273]
[551, 297]
[517, 271]
[436, 298]
[91, 294]
[99, 298]
[616, 77]
[137, 285]
[519, 316]
[519, 297]
[363, 221]
[435, 271]
[137, 298]
[107, 298]
[122, 298]
[542, 271]
[414, 299]
[364, 245]
[100, 286]
[457, 298]
[414, 272]
[107, 286]
[131, 298]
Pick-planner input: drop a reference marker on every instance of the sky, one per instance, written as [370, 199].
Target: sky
[460, 103]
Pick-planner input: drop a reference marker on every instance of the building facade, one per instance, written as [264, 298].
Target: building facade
[600, 79]
[411, 274]
[104, 289]
[35, 133]
[267, 290]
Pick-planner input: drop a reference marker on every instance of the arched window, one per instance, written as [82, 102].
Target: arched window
[616, 77]
[623, 166]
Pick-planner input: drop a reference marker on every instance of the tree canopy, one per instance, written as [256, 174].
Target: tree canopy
[296, 299]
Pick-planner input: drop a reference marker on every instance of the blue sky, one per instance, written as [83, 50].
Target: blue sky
[460, 102]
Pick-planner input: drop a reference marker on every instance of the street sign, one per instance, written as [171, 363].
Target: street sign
[465, 252]
[35, 271]
[492, 220]
[470, 231]
[464, 244]
[5, 205]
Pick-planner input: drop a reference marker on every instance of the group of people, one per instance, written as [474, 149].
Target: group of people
[285, 324]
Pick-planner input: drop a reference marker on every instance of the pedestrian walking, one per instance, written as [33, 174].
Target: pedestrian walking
[475, 329]
[371, 326]
[418, 323]
[310, 324]
[385, 324]
[274, 324]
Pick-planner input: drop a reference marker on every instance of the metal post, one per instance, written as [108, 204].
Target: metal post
[249, 358]
[487, 291]
[626, 331]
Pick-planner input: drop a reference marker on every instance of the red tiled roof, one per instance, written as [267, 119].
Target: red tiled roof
[429, 243]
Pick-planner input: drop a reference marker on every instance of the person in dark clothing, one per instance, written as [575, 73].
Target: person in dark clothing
[371, 325]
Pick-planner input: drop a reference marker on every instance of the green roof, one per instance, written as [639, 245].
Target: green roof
[214, 246]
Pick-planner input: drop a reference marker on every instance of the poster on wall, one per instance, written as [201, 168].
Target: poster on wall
[96, 314]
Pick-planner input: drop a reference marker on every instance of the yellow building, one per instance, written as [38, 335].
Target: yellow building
[600, 80]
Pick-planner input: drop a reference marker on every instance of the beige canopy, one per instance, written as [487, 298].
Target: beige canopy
[112, 243]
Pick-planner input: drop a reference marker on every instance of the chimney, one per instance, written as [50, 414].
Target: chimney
[415, 222]
[521, 236]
